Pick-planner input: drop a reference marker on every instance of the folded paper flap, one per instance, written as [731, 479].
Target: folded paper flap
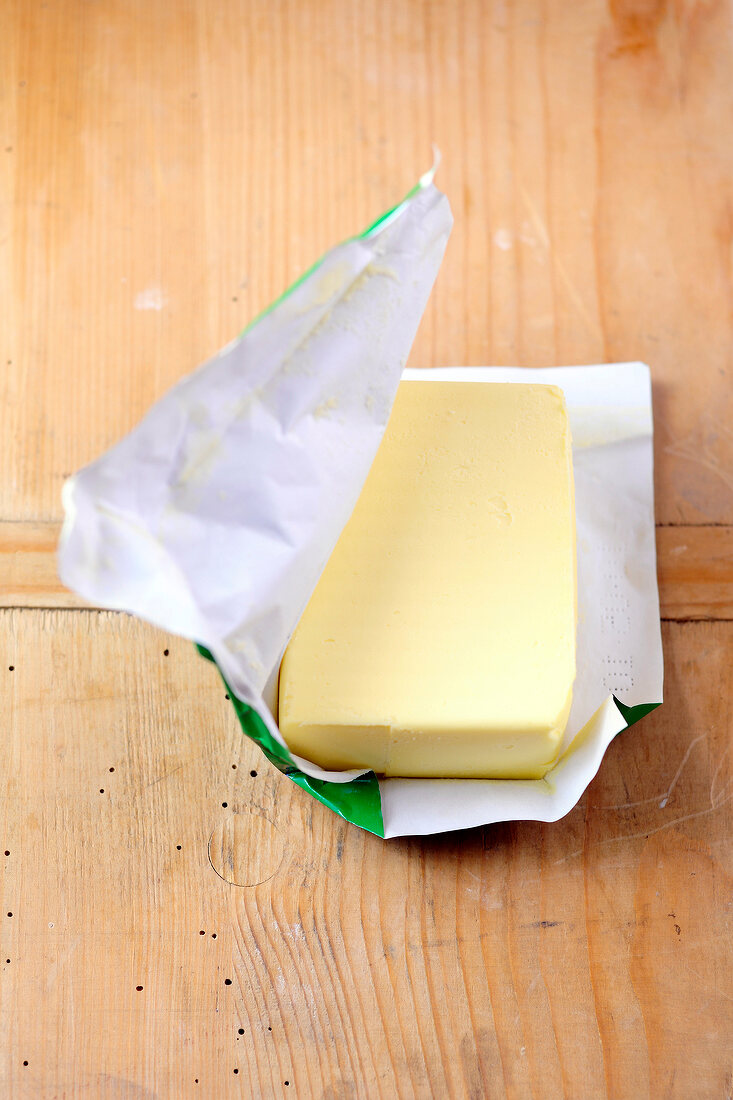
[215, 516]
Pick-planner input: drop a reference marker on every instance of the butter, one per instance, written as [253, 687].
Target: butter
[440, 639]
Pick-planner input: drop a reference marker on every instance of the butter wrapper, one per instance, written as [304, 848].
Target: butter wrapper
[619, 646]
[216, 515]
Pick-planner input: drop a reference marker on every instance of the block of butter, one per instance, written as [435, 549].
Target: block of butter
[440, 639]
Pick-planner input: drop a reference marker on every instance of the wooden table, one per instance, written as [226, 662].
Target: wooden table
[168, 168]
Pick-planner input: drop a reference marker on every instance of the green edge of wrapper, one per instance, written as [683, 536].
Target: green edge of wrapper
[380, 223]
[633, 714]
[357, 801]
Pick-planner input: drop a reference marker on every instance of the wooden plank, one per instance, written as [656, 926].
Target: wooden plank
[695, 567]
[590, 957]
[167, 169]
[28, 576]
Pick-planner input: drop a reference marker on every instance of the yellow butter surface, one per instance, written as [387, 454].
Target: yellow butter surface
[440, 640]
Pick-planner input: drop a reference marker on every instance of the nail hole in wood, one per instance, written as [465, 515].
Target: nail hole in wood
[178, 847]
[213, 935]
[11, 668]
[166, 652]
[240, 1031]
[253, 773]
[225, 804]
[139, 988]
[227, 981]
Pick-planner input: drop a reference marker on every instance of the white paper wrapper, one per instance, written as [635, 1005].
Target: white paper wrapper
[215, 516]
[619, 638]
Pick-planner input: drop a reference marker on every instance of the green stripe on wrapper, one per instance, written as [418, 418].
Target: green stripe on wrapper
[357, 801]
[381, 223]
[633, 714]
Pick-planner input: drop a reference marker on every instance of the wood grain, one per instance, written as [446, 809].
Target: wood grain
[165, 170]
[695, 570]
[570, 959]
[28, 576]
